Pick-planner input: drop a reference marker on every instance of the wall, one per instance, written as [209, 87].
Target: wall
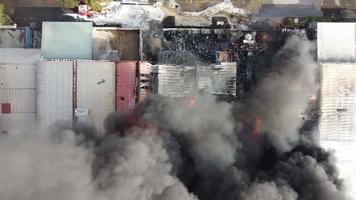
[17, 88]
[126, 83]
[95, 91]
[15, 38]
[126, 41]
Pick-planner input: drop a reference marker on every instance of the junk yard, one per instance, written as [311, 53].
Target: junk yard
[177, 99]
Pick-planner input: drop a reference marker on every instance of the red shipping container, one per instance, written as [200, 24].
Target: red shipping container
[126, 76]
[5, 108]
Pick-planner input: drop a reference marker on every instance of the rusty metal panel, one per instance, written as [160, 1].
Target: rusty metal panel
[126, 82]
[177, 81]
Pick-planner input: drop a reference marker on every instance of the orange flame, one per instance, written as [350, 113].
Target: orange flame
[257, 127]
[191, 102]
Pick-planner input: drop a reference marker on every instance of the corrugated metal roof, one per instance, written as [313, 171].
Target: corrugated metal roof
[177, 81]
[338, 102]
[218, 79]
[19, 55]
[54, 92]
[336, 42]
[72, 40]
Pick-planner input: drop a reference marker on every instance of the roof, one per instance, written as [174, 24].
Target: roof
[288, 10]
[338, 101]
[19, 55]
[336, 42]
[67, 40]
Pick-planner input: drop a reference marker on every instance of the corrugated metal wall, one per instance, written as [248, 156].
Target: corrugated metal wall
[336, 42]
[126, 83]
[218, 79]
[95, 91]
[338, 102]
[54, 92]
[67, 40]
[148, 78]
[17, 88]
[177, 81]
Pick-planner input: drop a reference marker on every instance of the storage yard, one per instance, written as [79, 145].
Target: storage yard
[176, 100]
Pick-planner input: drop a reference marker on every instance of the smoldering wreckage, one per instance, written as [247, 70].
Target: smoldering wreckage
[193, 148]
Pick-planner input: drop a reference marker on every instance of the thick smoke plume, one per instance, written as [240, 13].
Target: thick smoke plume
[184, 149]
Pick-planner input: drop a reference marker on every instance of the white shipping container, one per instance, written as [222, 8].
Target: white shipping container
[95, 92]
[54, 92]
[336, 42]
[338, 102]
[17, 88]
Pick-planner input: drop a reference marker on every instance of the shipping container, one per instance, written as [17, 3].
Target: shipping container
[338, 101]
[148, 80]
[67, 40]
[17, 95]
[126, 84]
[336, 42]
[95, 92]
[54, 92]
[218, 79]
[177, 80]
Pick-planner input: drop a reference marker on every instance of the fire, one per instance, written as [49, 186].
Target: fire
[257, 127]
[192, 102]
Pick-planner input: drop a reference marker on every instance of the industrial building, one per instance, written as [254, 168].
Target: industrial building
[61, 82]
[82, 73]
[336, 56]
